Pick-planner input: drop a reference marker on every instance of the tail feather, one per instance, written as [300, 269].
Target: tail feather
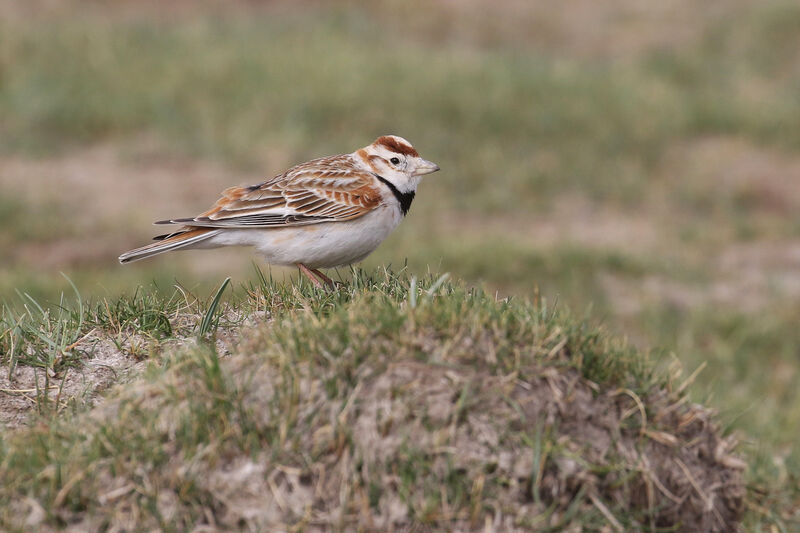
[168, 243]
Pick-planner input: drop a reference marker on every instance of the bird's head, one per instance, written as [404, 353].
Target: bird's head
[394, 159]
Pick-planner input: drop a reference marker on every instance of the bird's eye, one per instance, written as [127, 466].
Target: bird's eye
[394, 161]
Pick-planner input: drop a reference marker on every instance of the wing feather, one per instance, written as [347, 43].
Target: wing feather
[330, 189]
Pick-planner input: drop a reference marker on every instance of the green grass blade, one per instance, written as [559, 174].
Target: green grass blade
[208, 318]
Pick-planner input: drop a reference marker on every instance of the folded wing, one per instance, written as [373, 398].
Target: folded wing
[331, 189]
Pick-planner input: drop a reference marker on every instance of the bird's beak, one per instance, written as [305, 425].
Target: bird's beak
[425, 167]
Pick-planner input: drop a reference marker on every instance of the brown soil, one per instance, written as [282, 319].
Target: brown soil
[23, 392]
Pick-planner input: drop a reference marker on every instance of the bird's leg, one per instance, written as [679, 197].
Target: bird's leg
[328, 281]
[309, 274]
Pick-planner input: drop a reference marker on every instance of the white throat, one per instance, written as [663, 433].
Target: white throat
[403, 183]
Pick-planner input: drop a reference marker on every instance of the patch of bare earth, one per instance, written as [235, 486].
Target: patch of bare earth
[106, 359]
[27, 390]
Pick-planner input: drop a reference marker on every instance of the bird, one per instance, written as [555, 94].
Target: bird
[324, 213]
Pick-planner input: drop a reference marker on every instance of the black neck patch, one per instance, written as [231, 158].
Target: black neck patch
[404, 198]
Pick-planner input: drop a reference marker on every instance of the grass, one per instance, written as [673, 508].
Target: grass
[648, 175]
[440, 408]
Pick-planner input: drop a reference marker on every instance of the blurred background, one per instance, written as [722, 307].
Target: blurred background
[636, 160]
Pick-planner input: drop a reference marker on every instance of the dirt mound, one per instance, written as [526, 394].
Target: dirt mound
[366, 410]
[535, 448]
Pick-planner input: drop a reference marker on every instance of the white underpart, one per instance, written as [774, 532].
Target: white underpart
[323, 245]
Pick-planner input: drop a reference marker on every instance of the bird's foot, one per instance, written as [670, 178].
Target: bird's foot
[310, 275]
[318, 278]
[328, 281]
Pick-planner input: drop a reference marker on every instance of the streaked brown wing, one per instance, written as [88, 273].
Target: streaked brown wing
[323, 190]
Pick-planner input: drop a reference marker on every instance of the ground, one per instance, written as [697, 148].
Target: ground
[393, 403]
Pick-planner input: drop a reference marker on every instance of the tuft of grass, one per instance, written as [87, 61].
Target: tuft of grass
[39, 336]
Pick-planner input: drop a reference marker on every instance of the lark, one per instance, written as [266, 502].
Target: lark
[324, 213]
